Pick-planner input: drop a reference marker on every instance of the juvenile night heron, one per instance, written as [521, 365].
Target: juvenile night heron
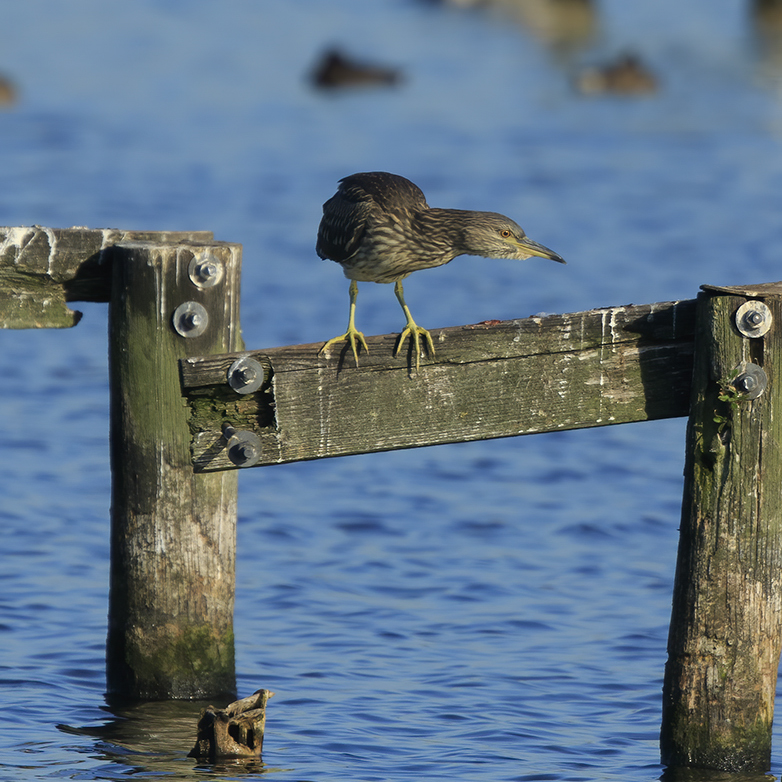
[379, 227]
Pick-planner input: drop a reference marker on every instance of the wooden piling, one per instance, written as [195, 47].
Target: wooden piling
[173, 536]
[724, 642]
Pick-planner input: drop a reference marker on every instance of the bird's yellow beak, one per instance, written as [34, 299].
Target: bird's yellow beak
[533, 248]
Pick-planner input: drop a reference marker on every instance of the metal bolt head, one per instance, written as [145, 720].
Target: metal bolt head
[753, 318]
[246, 375]
[244, 448]
[247, 452]
[190, 319]
[746, 383]
[752, 381]
[205, 270]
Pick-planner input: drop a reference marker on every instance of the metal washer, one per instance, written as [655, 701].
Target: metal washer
[190, 319]
[753, 319]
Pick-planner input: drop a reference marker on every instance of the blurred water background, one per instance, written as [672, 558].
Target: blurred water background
[489, 611]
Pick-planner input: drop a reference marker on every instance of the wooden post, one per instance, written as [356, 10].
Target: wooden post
[724, 642]
[173, 538]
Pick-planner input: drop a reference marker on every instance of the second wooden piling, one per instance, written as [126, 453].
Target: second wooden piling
[725, 634]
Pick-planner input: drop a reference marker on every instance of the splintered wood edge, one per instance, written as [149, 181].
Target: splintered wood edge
[751, 291]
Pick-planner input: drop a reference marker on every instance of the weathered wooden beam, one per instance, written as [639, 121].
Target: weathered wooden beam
[41, 269]
[499, 379]
[173, 532]
[726, 626]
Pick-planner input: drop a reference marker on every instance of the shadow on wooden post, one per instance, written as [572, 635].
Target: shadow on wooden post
[724, 642]
[173, 538]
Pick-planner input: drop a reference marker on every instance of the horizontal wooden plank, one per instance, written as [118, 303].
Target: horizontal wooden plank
[41, 269]
[498, 379]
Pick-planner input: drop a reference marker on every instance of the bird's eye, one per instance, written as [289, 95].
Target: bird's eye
[505, 233]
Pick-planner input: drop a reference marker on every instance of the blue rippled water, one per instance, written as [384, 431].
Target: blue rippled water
[489, 611]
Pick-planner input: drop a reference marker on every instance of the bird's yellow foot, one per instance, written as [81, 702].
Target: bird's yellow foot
[415, 332]
[350, 336]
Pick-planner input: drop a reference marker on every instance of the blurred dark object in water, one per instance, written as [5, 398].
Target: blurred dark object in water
[335, 69]
[626, 75]
[233, 732]
[556, 22]
[7, 92]
[768, 15]
[767, 25]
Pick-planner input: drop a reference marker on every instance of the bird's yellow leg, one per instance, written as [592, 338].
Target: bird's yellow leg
[412, 329]
[352, 334]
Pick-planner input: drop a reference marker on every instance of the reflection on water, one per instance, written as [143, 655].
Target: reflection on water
[702, 775]
[153, 739]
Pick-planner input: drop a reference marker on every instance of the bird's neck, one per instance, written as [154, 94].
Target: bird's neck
[451, 228]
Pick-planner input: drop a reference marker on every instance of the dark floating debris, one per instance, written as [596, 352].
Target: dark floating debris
[233, 732]
[627, 75]
[336, 69]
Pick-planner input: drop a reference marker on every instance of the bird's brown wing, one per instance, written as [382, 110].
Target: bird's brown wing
[390, 192]
[360, 198]
[343, 224]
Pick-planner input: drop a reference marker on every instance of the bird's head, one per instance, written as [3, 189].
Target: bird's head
[493, 235]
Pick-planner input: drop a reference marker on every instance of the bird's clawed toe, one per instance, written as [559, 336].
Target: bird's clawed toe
[415, 332]
[351, 337]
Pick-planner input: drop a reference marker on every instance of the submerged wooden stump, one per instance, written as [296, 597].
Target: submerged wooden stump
[233, 732]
